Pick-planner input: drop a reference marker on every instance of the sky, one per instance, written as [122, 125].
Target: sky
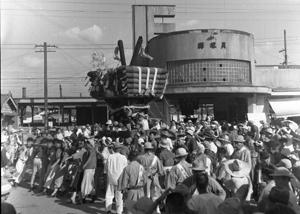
[80, 27]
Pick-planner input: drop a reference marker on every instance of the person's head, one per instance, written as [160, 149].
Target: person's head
[180, 154]
[222, 153]
[58, 143]
[239, 142]
[265, 157]
[7, 208]
[200, 174]
[133, 156]
[49, 143]
[148, 147]
[29, 142]
[282, 177]
[81, 143]
[175, 203]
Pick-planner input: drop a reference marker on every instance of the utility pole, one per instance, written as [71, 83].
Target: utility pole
[60, 91]
[285, 62]
[45, 51]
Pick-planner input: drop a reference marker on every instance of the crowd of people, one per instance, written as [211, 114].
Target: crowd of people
[205, 167]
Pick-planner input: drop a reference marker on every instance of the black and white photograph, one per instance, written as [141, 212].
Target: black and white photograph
[150, 106]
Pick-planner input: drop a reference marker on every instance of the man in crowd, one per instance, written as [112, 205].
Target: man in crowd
[133, 179]
[179, 172]
[116, 163]
[200, 179]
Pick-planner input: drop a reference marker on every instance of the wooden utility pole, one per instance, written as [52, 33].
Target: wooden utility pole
[60, 91]
[45, 51]
[285, 62]
[285, 50]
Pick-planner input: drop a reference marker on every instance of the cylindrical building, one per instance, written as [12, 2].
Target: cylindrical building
[210, 72]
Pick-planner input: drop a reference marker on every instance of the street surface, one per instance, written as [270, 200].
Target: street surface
[28, 203]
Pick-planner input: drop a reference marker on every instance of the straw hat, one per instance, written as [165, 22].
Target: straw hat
[117, 145]
[198, 165]
[239, 139]
[165, 142]
[282, 172]
[180, 152]
[237, 168]
[148, 145]
[167, 133]
[209, 134]
[268, 131]
[224, 139]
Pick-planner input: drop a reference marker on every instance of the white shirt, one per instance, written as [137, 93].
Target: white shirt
[115, 165]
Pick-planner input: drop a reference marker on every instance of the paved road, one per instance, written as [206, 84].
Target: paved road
[27, 203]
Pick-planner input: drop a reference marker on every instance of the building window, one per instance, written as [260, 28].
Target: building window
[197, 71]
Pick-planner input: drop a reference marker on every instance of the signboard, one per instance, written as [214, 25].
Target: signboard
[257, 118]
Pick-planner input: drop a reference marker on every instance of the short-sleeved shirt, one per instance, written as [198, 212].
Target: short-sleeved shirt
[167, 157]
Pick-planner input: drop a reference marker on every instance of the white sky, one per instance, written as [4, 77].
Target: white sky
[79, 27]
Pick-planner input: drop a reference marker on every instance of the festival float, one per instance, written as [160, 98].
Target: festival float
[128, 89]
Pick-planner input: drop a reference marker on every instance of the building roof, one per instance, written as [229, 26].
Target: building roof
[4, 97]
[60, 100]
[11, 104]
[202, 31]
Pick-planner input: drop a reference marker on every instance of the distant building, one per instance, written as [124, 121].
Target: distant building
[212, 72]
[62, 111]
[9, 110]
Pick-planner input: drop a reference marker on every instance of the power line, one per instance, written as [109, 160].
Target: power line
[133, 2]
[73, 58]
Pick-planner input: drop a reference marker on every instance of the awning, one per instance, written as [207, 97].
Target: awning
[287, 107]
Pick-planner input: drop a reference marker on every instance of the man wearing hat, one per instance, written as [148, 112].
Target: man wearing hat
[190, 142]
[166, 156]
[238, 174]
[133, 179]
[154, 169]
[87, 184]
[179, 172]
[116, 163]
[200, 182]
[282, 177]
[24, 153]
[241, 151]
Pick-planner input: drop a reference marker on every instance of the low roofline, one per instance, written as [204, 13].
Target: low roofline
[202, 31]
